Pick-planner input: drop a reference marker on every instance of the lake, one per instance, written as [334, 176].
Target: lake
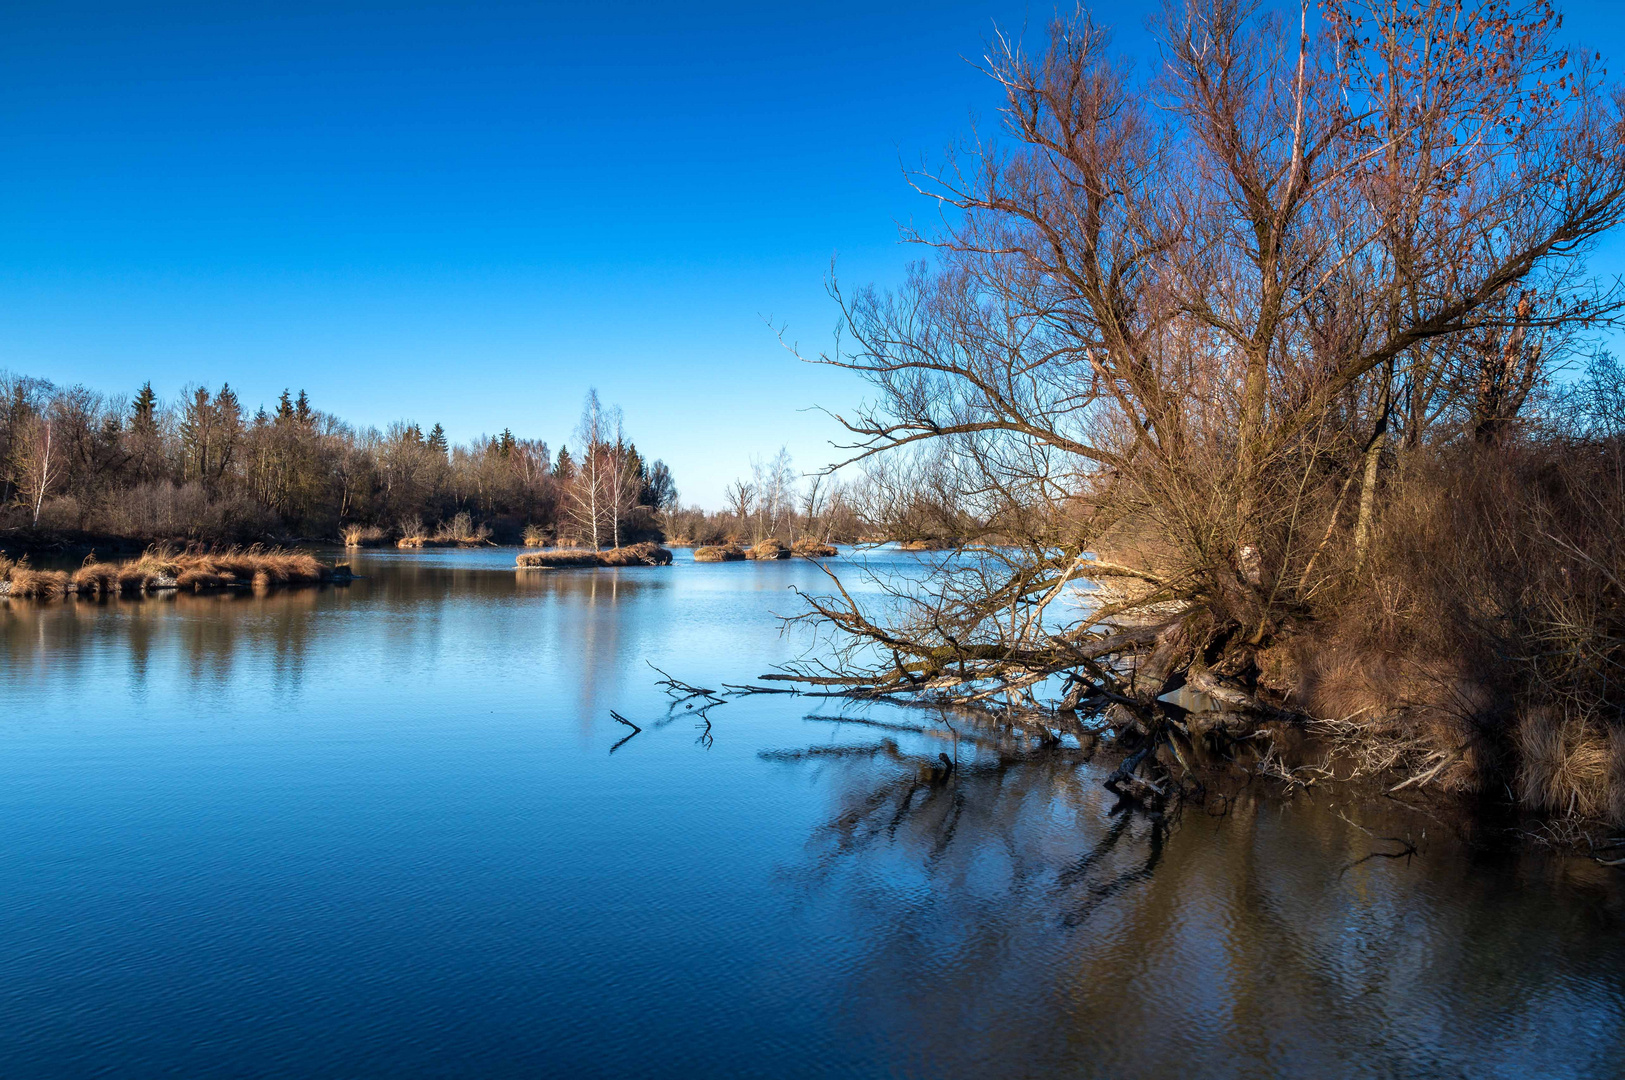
[393, 830]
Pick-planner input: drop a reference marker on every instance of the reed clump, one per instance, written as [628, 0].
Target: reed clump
[96, 579]
[719, 553]
[458, 531]
[771, 548]
[558, 558]
[644, 554]
[807, 548]
[19, 580]
[161, 568]
[360, 536]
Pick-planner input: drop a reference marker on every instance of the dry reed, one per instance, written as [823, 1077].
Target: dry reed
[813, 549]
[357, 536]
[555, 558]
[188, 571]
[645, 554]
[771, 548]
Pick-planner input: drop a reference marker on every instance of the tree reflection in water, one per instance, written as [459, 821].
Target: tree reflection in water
[1098, 938]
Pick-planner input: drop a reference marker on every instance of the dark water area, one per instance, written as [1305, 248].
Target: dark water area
[392, 830]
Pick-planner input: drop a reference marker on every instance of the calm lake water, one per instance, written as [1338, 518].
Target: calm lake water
[380, 831]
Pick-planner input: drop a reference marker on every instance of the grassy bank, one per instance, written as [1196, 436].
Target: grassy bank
[161, 569]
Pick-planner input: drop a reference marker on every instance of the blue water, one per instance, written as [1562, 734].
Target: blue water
[393, 830]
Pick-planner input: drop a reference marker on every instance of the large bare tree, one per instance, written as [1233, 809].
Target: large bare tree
[1174, 318]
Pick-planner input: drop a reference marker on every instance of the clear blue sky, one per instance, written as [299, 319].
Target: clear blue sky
[469, 213]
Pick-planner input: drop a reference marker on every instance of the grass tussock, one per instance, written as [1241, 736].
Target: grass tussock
[771, 548]
[362, 536]
[162, 568]
[558, 558]
[645, 554]
[813, 549]
[536, 536]
[96, 579]
[458, 531]
[23, 582]
[719, 553]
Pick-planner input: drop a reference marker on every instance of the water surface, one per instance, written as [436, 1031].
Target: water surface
[393, 830]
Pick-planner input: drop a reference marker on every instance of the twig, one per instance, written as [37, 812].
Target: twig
[636, 731]
[682, 691]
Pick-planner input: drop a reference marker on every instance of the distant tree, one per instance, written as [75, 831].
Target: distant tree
[740, 497]
[659, 490]
[587, 493]
[39, 461]
[143, 414]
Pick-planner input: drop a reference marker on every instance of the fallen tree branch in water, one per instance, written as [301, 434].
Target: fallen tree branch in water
[683, 691]
[623, 720]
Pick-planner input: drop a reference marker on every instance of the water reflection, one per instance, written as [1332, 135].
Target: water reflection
[379, 830]
[1018, 912]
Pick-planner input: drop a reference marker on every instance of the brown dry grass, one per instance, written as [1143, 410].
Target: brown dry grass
[770, 548]
[462, 530]
[557, 558]
[26, 583]
[189, 571]
[645, 554]
[96, 579]
[813, 549]
[719, 553]
[459, 531]
[1484, 636]
[536, 536]
[357, 536]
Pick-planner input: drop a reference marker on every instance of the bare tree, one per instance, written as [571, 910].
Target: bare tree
[1172, 320]
[40, 463]
[740, 497]
[588, 494]
[622, 482]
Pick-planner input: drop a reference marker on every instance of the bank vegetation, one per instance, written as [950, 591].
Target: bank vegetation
[1270, 364]
[162, 569]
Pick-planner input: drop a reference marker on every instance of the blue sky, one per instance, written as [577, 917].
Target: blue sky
[469, 213]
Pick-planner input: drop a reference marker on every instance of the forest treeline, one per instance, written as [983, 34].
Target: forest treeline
[203, 468]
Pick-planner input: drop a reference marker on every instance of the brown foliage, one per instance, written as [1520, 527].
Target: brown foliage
[644, 554]
[719, 553]
[768, 549]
